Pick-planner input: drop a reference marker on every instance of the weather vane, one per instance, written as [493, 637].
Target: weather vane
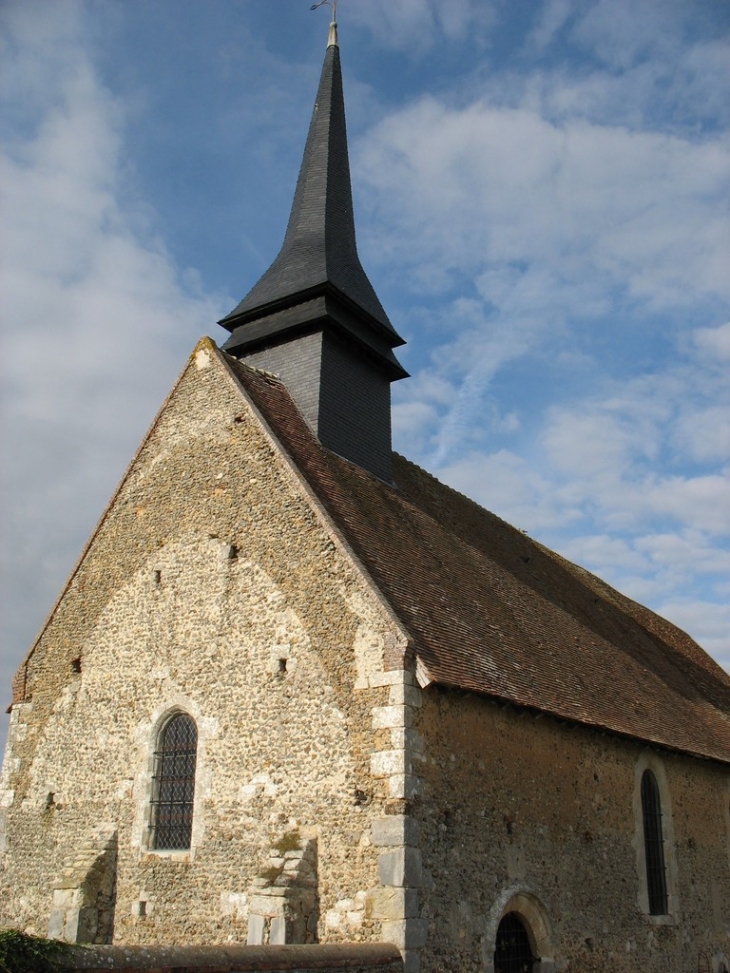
[333, 25]
[327, 3]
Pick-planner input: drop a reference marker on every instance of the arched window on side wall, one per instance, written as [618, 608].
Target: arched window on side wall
[173, 784]
[656, 873]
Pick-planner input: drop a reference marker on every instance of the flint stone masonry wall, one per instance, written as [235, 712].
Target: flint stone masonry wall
[335, 799]
[532, 815]
[210, 567]
[344, 958]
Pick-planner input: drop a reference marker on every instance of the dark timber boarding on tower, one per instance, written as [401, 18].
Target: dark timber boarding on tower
[313, 318]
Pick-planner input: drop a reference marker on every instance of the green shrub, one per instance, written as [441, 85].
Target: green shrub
[20, 953]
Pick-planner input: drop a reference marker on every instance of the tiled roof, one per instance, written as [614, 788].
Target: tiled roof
[492, 611]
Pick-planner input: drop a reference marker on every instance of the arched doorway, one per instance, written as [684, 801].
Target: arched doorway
[512, 949]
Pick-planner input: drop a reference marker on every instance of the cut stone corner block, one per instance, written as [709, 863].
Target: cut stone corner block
[386, 763]
[405, 695]
[390, 903]
[406, 934]
[277, 932]
[56, 923]
[69, 925]
[411, 961]
[388, 717]
[401, 867]
[391, 677]
[394, 830]
[404, 787]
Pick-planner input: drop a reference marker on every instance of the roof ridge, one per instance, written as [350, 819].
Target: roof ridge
[641, 614]
[464, 496]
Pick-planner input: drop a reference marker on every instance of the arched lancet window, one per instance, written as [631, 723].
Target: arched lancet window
[656, 873]
[173, 784]
[512, 950]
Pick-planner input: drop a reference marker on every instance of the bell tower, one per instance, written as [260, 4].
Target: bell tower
[314, 318]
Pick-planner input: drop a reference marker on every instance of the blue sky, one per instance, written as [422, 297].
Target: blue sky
[541, 194]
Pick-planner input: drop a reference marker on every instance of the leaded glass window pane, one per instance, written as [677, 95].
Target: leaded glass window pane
[173, 784]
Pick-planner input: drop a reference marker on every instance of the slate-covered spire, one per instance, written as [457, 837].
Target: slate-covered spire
[317, 287]
[319, 248]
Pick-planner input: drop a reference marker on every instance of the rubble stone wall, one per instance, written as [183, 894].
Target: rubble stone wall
[212, 586]
[521, 813]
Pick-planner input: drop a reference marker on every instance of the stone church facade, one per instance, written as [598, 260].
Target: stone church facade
[296, 690]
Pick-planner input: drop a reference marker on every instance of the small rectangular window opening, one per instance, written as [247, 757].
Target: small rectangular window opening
[282, 665]
[76, 664]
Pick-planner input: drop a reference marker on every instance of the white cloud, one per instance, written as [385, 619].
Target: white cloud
[594, 446]
[714, 342]
[686, 552]
[700, 502]
[622, 32]
[490, 186]
[610, 451]
[97, 320]
[504, 482]
[653, 565]
[607, 554]
[415, 25]
[551, 18]
[708, 621]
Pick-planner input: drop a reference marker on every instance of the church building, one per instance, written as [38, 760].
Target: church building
[296, 690]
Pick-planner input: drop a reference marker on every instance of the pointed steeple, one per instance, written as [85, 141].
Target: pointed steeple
[319, 249]
[317, 285]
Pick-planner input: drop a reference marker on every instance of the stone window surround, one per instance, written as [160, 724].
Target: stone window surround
[650, 760]
[160, 718]
[536, 920]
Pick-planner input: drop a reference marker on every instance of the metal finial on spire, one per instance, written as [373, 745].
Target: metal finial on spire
[332, 40]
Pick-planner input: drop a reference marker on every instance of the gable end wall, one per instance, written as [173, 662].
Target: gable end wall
[211, 567]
